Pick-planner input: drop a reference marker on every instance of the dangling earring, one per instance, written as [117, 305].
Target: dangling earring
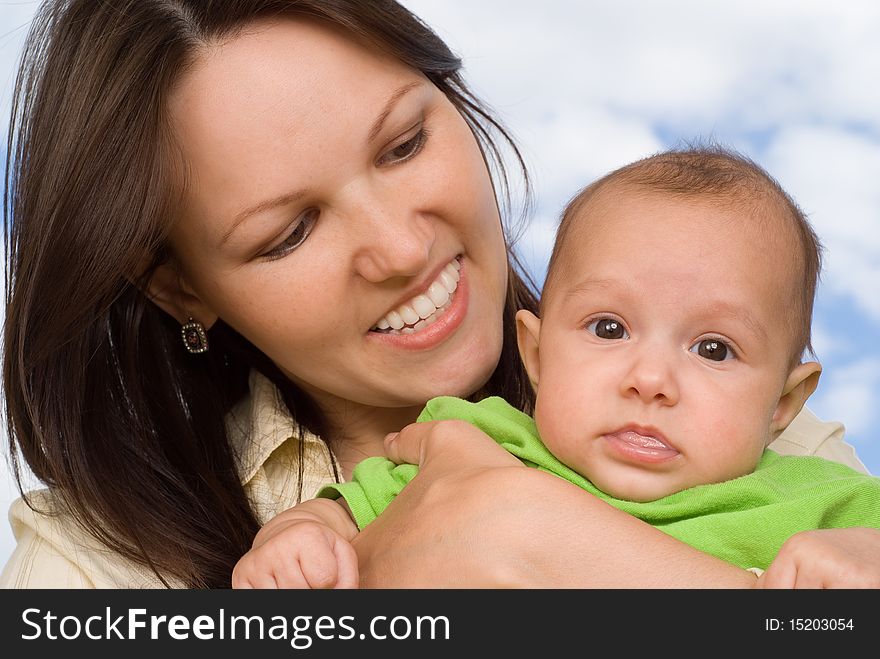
[194, 337]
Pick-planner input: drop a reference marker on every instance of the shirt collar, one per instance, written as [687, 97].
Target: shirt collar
[259, 424]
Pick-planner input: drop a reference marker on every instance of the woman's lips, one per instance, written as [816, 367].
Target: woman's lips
[450, 318]
[425, 304]
[640, 445]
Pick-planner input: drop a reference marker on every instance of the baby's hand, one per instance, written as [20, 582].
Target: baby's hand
[298, 549]
[826, 558]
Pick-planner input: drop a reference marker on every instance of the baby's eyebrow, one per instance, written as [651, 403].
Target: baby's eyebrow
[589, 285]
[738, 313]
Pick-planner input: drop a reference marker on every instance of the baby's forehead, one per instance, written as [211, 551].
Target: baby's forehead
[744, 217]
[617, 210]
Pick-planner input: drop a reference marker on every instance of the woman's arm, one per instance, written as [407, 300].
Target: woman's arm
[490, 524]
[523, 528]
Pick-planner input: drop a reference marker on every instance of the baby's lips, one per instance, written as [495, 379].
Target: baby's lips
[645, 441]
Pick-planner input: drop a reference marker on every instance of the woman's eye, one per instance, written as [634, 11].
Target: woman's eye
[304, 225]
[608, 328]
[713, 349]
[405, 150]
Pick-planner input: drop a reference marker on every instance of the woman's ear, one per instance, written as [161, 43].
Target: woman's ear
[168, 289]
[528, 330]
[800, 385]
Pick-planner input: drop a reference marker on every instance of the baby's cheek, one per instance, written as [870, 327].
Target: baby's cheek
[549, 423]
[733, 452]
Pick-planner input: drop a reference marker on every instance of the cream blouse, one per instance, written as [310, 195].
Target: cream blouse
[54, 552]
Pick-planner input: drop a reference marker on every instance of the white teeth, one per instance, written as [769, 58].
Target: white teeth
[438, 294]
[394, 320]
[408, 314]
[424, 308]
[447, 280]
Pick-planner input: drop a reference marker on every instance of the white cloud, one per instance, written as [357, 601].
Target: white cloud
[692, 63]
[574, 145]
[833, 174]
[825, 343]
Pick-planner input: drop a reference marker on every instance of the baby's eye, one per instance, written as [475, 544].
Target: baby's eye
[715, 350]
[608, 328]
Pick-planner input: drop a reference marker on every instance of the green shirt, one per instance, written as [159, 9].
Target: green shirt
[743, 521]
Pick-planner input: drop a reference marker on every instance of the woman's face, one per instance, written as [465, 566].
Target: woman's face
[333, 192]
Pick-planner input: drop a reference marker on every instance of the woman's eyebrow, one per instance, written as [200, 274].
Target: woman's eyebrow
[262, 207]
[287, 198]
[389, 106]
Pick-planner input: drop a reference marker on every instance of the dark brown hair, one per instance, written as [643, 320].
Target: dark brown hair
[102, 401]
[725, 176]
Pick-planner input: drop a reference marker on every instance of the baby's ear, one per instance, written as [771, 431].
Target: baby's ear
[801, 383]
[528, 330]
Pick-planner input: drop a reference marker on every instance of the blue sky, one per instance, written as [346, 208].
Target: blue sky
[587, 86]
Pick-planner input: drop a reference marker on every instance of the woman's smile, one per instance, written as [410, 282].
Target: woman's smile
[416, 331]
[424, 308]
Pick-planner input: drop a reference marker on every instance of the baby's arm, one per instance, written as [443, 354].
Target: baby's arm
[307, 546]
[827, 558]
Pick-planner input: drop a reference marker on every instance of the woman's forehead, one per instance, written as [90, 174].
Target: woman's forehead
[286, 60]
[265, 109]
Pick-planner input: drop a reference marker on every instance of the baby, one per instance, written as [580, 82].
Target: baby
[674, 318]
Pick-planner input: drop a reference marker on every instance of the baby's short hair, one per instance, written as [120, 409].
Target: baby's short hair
[727, 177]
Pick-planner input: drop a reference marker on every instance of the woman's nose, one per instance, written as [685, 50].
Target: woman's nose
[393, 241]
[651, 377]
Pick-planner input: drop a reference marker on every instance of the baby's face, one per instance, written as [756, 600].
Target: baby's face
[664, 349]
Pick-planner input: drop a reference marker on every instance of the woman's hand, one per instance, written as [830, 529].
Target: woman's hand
[827, 558]
[444, 443]
[436, 533]
[476, 517]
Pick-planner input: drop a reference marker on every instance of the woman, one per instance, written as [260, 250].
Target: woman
[298, 189]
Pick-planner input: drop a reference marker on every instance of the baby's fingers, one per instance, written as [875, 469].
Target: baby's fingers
[782, 573]
[249, 574]
[347, 564]
[315, 557]
[320, 569]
